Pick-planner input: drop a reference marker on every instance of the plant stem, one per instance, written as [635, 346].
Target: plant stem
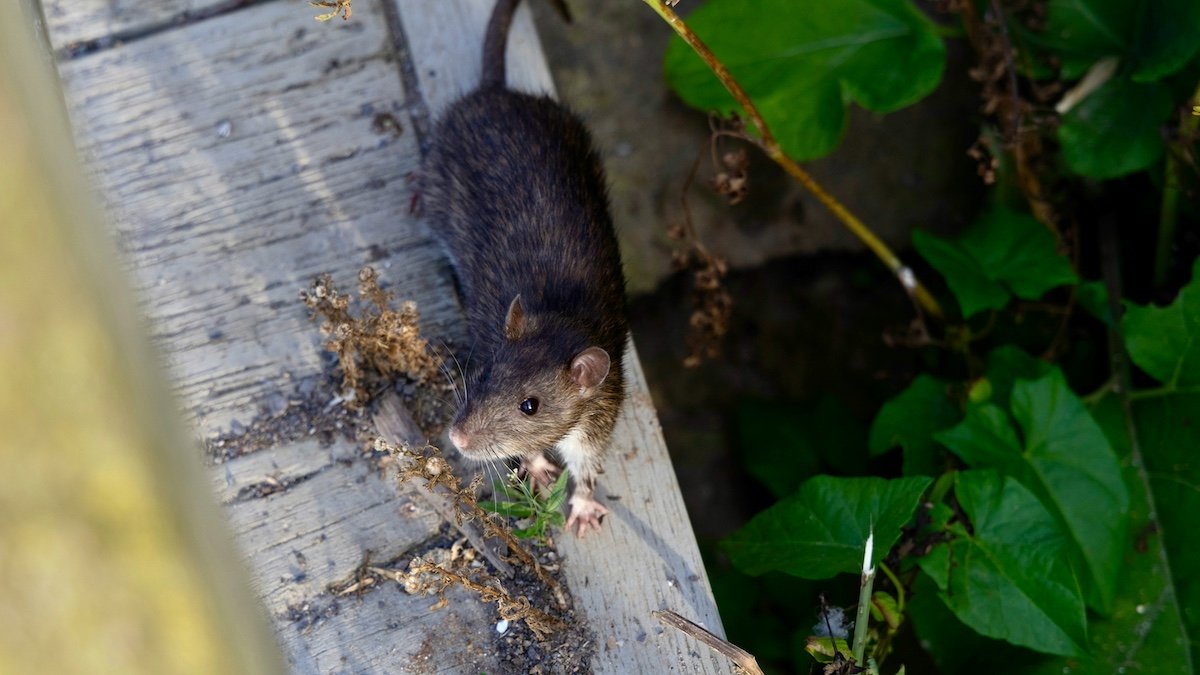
[887, 572]
[1169, 212]
[866, 587]
[925, 301]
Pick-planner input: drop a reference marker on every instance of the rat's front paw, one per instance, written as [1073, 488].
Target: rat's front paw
[541, 471]
[586, 514]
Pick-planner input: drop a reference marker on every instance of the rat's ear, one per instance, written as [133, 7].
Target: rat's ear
[514, 322]
[590, 367]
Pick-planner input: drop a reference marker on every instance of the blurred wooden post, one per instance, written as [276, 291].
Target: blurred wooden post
[112, 555]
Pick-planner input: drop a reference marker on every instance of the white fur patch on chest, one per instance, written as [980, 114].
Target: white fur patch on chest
[573, 447]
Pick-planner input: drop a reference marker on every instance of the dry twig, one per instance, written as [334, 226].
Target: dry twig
[377, 345]
[743, 659]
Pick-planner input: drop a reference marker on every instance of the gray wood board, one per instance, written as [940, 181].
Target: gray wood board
[72, 22]
[238, 159]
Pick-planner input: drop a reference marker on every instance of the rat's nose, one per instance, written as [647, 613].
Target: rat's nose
[459, 438]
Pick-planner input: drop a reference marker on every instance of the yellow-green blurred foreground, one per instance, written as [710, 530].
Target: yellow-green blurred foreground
[112, 559]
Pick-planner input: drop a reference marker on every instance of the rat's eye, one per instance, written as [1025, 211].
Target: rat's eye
[529, 406]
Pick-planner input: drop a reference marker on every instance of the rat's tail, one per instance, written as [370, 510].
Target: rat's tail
[495, 41]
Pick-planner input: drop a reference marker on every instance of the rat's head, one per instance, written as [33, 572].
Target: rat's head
[531, 394]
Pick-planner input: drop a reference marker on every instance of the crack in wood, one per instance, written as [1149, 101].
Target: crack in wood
[119, 38]
[272, 485]
[414, 101]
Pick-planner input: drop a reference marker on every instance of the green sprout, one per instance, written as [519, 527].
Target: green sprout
[522, 501]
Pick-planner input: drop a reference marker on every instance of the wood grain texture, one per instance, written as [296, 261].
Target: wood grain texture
[238, 160]
[72, 22]
[239, 157]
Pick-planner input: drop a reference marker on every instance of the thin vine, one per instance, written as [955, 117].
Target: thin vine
[766, 141]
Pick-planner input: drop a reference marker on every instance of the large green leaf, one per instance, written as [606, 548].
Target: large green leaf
[953, 646]
[1165, 341]
[1005, 365]
[1081, 31]
[1007, 576]
[802, 62]
[910, 419]
[1001, 253]
[1168, 428]
[1144, 633]
[1156, 36]
[1167, 35]
[1116, 130]
[822, 529]
[1062, 456]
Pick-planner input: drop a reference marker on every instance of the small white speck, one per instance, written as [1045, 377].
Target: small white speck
[224, 129]
[502, 626]
[1141, 609]
[907, 278]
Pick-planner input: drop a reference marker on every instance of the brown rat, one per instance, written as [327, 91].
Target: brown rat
[518, 196]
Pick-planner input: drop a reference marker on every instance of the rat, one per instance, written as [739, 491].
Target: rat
[517, 194]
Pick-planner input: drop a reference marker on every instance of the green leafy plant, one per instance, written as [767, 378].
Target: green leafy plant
[881, 54]
[523, 502]
[1027, 527]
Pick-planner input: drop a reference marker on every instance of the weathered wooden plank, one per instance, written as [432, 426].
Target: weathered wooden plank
[239, 160]
[388, 631]
[71, 22]
[329, 511]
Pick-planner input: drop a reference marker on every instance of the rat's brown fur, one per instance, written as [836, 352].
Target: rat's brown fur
[518, 196]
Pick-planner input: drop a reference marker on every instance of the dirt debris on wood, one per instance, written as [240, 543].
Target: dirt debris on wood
[379, 350]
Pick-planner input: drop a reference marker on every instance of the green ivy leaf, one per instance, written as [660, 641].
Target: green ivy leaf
[1147, 604]
[1008, 577]
[1165, 341]
[1003, 252]
[821, 530]
[801, 63]
[1166, 38]
[1168, 428]
[1155, 38]
[954, 647]
[1116, 130]
[910, 419]
[1064, 458]
[1082, 31]
[1005, 365]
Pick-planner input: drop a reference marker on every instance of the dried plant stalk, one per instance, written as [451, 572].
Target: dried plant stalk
[379, 344]
[426, 464]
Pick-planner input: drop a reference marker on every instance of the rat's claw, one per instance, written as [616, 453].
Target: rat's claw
[540, 470]
[586, 514]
